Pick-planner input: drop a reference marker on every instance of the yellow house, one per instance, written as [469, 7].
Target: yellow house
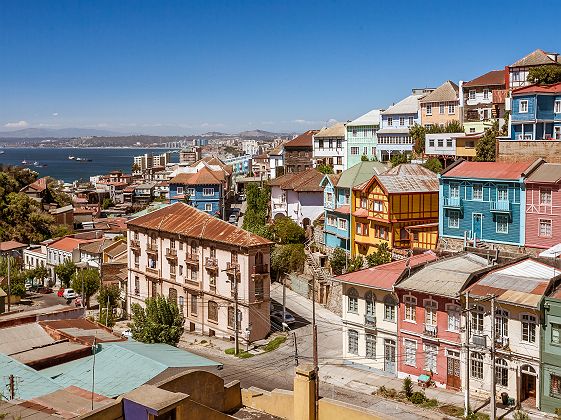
[441, 106]
[399, 207]
[466, 146]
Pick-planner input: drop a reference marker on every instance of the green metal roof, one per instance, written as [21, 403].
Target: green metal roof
[359, 173]
[123, 366]
[28, 382]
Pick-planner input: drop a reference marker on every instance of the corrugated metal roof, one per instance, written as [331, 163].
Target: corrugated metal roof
[168, 355]
[360, 173]
[31, 383]
[303, 140]
[11, 245]
[370, 118]
[409, 105]
[546, 173]
[310, 180]
[23, 337]
[448, 91]
[180, 218]
[554, 88]
[408, 177]
[336, 130]
[488, 170]
[492, 78]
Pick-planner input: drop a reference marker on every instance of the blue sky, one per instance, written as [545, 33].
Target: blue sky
[182, 67]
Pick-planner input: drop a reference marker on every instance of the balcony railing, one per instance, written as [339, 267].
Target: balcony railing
[431, 330]
[260, 270]
[479, 340]
[135, 243]
[171, 253]
[192, 258]
[500, 206]
[501, 342]
[233, 268]
[370, 320]
[211, 263]
[452, 203]
[153, 272]
[152, 247]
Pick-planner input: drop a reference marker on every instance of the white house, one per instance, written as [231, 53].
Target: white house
[442, 145]
[330, 147]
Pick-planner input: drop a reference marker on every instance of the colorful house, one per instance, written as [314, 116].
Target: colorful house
[536, 113]
[543, 211]
[441, 106]
[484, 201]
[330, 147]
[398, 207]
[516, 75]
[299, 152]
[370, 313]
[337, 202]
[429, 319]
[361, 137]
[549, 378]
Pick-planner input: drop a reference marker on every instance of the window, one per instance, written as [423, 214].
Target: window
[179, 190]
[485, 94]
[440, 142]
[343, 224]
[478, 192]
[501, 223]
[501, 324]
[352, 301]
[212, 281]
[180, 270]
[370, 302]
[136, 285]
[329, 196]
[431, 353]
[429, 109]
[431, 142]
[451, 108]
[331, 220]
[557, 107]
[259, 288]
[501, 372]
[453, 318]
[354, 150]
[190, 192]
[353, 341]
[502, 193]
[555, 333]
[472, 94]
[545, 197]
[454, 219]
[389, 308]
[208, 192]
[529, 328]
[340, 160]
[401, 121]
[208, 207]
[410, 121]
[411, 352]
[471, 130]
[231, 316]
[381, 232]
[555, 385]
[378, 205]
[410, 308]
[476, 365]
[339, 144]
[194, 305]
[370, 346]
[477, 320]
[441, 108]
[448, 142]
[545, 228]
[354, 134]
[212, 311]
[194, 273]
[431, 308]
[320, 144]
[390, 121]
[454, 191]
[181, 303]
[172, 269]
[523, 106]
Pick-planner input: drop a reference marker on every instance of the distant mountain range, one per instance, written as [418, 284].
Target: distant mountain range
[28, 133]
[260, 134]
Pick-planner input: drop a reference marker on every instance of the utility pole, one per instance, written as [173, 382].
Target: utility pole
[493, 379]
[283, 302]
[466, 344]
[315, 342]
[235, 280]
[107, 312]
[12, 388]
[295, 348]
[9, 285]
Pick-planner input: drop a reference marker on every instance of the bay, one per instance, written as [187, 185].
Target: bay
[60, 167]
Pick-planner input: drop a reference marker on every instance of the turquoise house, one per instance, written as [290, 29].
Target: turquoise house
[550, 353]
[337, 201]
[484, 201]
[361, 138]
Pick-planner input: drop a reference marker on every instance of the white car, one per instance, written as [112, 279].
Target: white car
[127, 333]
[69, 294]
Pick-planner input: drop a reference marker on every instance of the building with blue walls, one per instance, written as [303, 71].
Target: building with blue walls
[536, 113]
[361, 137]
[484, 201]
[337, 201]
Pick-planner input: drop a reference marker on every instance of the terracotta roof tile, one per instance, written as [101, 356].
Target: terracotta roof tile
[303, 140]
[69, 244]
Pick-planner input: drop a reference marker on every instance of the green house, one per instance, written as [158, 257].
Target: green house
[550, 375]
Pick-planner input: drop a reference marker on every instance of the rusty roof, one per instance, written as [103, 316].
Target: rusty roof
[68, 243]
[554, 88]
[546, 173]
[488, 170]
[203, 177]
[307, 181]
[95, 247]
[538, 58]
[303, 140]
[39, 185]
[336, 130]
[404, 178]
[81, 330]
[492, 78]
[182, 219]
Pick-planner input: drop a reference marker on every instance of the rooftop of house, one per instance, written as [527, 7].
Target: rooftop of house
[303, 140]
[445, 277]
[370, 118]
[203, 177]
[81, 330]
[492, 78]
[213, 160]
[554, 88]
[522, 283]
[95, 247]
[307, 181]
[538, 58]
[384, 276]
[69, 243]
[546, 173]
[69, 402]
[180, 218]
[359, 173]
[409, 105]
[404, 178]
[446, 92]
[60, 210]
[487, 170]
[115, 249]
[336, 130]
[38, 186]
[11, 246]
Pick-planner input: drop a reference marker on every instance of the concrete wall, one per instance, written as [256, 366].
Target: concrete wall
[523, 151]
[278, 402]
[336, 410]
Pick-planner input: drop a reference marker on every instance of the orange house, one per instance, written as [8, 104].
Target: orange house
[399, 207]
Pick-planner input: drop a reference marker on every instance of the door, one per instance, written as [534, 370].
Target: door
[453, 370]
[527, 383]
[477, 225]
[389, 356]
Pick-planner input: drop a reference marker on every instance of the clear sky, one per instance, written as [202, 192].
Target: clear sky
[182, 67]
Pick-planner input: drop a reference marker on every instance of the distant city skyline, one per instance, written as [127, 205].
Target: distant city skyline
[180, 68]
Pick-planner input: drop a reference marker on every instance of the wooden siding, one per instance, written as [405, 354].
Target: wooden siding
[535, 211]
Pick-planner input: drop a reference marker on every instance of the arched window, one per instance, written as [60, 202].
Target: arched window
[212, 311]
[431, 307]
[389, 308]
[353, 342]
[370, 299]
[528, 369]
[352, 300]
[410, 308]
[501, 372]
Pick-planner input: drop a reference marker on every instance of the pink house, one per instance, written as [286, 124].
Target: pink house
[430, 318]
[543, 206]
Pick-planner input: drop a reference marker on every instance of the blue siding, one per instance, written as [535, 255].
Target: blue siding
[540, 107]
[334, 236]
[207, 203]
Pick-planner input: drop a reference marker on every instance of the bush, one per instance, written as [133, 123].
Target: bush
[408, 387]
[244, 355]
[417, 397]
[521, 415]
[274, 343]
[230, 351]
[430, 403]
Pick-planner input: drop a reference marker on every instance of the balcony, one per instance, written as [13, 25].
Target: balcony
[501, 206]
[479, 340]
[453, 203]
[211, 263]
[152, 247]
[431, 330]
[135, 244]
[233, 268]
[369, 320]
[153, 272]
[192, 258]
[171, 253]
[501, 342]
[260, 270]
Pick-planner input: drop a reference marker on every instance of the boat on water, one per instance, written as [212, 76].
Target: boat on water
[2, 152]
[25, 162]
[83, 159]
[71, 158]
[39, 165]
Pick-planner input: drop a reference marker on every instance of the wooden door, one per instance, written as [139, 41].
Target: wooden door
[453, 373]
[528, 386]
[389, 356]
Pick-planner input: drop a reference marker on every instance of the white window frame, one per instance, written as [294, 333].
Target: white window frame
[410, 308]
[471, 94]
[352, 301]
[545, 223]
[432, 351]
[485, 93]
[208, 207]
[545, 193]
[431, 142]
[342, 224]
[401, 121]
[501, 221]
[453, 219]
[523, 106]
[478, 197]
[441, 108]
[501, 372]
[454, 317]
[331, 221]
[502, 193]
[208, 192]
[429, 109]
[431, 312]
[410, 121]
[501, 323]
[557, 107]
[454, 190]
[352, 349]
[179, 190]
[410, 350]
[478, 320]
[531, 322]
[476, 365]
[377, 205]
[451, 109]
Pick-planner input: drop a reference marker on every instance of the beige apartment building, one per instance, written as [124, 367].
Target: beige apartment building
[193, 258]
[441, 106]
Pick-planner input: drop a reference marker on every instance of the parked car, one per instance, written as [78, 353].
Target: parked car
[69, 294]
[241, 197]
[44, 290]
[60, 292]
[276, 317]
[233, 219]
[235, 210]
[127, 333]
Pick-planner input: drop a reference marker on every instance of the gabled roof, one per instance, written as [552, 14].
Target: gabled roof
[538, 58]
[331, 178]
[448, 91]
[492, 78]
[303, 140]
[404, 178]
[409, 105]
[69, 243]
[384, 276]
[10, 246]
[546, 173]
[203, 177]
[370, 118]
[95, 247]
[336, 130]
[39, 185]
[180, 218]
[307, 181]
[487, 170]
[31, 383]
[552, 89]
[360, 173]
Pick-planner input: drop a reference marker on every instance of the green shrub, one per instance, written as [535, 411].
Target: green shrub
[274, 343]
[417, 397]
[430, 403]
[521, 415]
[244, 355]
[230, 351]
[408, 387]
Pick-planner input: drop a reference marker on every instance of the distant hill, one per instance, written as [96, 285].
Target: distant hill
[28, 133]
[260, 134]
[215, 134]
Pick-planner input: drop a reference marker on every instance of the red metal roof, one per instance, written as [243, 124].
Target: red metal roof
[343, 209]
[555, 88]
[492, 78]
[69, 244]
[384, 276]
[488, 170]
[303, 140]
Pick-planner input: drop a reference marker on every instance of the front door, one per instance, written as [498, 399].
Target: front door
[477, 225]
[453, 370]
[389, 356]
[528, 386]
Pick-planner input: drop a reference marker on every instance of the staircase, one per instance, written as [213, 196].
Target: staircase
[320, 273]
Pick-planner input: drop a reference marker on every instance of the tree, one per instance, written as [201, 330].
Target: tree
[108, 298]
[364, 158]
[284, 230]
[417, 133]
[355, 264]
[22, 220]
[159, 322]
[56, 194]
[399, 158]
[135, 167]
[381, 256]
[87, 281]
[107, 202]
[58, 231]
[487, 146]
[258, 200]
[325, 169]
[40, 273]
[287, 258]
[433, 164]
[338, 261]
[64, 271]
[545, 75]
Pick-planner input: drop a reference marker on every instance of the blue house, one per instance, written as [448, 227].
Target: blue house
[536, 113]
[337, 201]
[203, 189]
[484, 201]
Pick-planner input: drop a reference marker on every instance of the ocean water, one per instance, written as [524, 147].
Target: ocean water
[60, 167]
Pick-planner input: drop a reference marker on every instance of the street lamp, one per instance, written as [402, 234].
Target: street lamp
[285, 326]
